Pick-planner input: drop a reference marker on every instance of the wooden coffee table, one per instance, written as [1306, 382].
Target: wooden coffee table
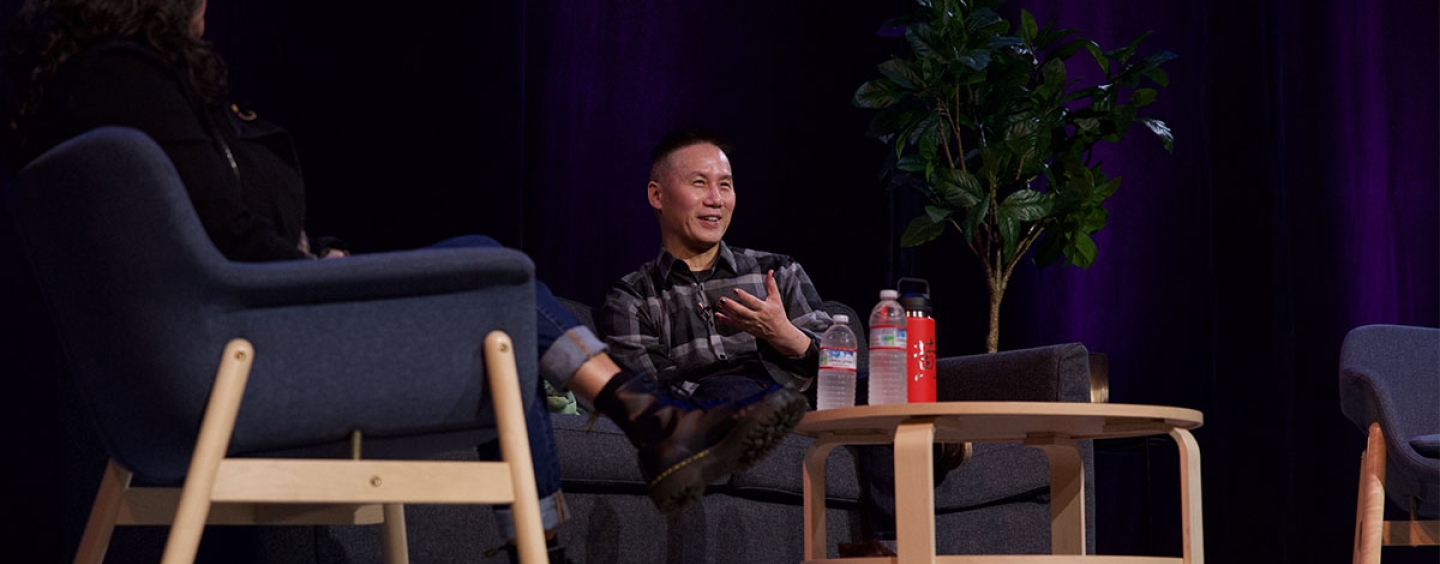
[1052, 426]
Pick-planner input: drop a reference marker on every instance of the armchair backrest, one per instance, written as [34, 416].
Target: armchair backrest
[143, 304]
[1391, 374]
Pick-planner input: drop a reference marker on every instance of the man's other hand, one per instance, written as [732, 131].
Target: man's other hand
[765, 319]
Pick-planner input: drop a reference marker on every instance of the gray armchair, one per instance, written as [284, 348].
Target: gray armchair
[1390, 389]
[352, 371]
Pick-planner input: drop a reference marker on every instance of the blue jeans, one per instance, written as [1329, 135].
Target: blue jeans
[564, 344]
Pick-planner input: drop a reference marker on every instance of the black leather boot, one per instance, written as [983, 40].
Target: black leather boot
[684, 447]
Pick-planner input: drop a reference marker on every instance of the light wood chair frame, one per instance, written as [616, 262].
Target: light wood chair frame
[1372, 531]
[257, 491]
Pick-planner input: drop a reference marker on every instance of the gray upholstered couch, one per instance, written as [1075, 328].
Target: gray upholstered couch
[996, 503]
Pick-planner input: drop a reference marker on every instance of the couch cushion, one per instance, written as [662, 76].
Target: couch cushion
[602, 457]
[778, 477]
[599, 455]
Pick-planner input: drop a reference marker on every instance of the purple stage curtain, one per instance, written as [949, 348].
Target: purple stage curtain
[1301, 201]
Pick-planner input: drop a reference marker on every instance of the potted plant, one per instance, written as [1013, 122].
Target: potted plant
[989, 127]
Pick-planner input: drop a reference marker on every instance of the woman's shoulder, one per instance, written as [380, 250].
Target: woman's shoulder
[128, 54]
[121, 83]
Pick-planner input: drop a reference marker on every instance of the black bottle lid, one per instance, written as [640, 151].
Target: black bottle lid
[915, 301]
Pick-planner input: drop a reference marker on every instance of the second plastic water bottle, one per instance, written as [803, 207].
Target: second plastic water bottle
[836, 387]
[887, 350]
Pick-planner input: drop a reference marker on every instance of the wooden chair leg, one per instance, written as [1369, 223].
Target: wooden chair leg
[515, 446]
[1372, 492]
[392, 535]
[103, 514]
[210, 447]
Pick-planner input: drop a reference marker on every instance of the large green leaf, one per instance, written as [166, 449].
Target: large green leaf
[1028, 28]
[1142, 97]
[1009, 235]
[958, 188]
[1146, 67]
[1049, 35]
[975, 59]
[1158, 76]
[1106, 189]
[1094, 49]
[1068, 49]
[938, 214]
[1051, 247]
[930, 141]
[999, 42]
[929, 122]
[974, 216]
[902, 74]
[920, 231]
[1123, 54]
[877, 94]
[921, 39]
[984, 19]
[1163, 131]
[911, 163]
[1025, 205]
[1081, 250]
[895, 119]
[1054, 74]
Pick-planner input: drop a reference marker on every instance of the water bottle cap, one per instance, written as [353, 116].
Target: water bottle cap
[840, 318]
[889, 294]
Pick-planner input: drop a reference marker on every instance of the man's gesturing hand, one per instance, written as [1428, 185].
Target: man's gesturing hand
[765, 319]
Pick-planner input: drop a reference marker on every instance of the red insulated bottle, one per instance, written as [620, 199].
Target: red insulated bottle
[920, 330]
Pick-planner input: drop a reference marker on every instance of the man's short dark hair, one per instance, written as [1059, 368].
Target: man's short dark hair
[682, 138]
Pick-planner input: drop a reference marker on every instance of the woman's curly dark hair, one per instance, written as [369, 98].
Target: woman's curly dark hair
[47, 33]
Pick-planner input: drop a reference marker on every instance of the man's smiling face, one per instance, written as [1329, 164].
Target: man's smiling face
[694, 194]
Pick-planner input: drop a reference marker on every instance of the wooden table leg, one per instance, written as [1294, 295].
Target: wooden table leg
[1067, 493]
[915, 493]
[813, 485]
[1191, 511]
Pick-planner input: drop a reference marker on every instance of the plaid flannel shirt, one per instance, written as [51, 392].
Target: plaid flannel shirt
[660, 319]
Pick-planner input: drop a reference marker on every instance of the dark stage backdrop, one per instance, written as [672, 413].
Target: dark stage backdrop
[1301, 201]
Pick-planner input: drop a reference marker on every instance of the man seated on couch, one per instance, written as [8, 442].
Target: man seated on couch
[709, 320]
[719, 323]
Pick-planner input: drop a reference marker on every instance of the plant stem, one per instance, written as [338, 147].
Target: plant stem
[999, 278]
[955, 128]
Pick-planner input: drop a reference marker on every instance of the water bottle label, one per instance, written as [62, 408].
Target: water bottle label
[837, 359]
[887, 337]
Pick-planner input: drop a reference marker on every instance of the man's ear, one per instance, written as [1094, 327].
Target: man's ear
[652, 192]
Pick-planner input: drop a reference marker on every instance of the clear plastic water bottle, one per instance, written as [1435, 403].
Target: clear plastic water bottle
[836, 387]
[887, 350]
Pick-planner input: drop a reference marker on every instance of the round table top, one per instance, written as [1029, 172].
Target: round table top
[983, 421]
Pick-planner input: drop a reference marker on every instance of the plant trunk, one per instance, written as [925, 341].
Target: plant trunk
[998, 280]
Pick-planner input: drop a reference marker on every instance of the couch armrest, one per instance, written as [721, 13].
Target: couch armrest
[1049, 373]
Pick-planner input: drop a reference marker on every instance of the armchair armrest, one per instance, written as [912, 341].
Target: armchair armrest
[372, 276]
[1049, 373]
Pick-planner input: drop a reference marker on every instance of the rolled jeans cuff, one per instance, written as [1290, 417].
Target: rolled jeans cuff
[553, 512]
[560, 362]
